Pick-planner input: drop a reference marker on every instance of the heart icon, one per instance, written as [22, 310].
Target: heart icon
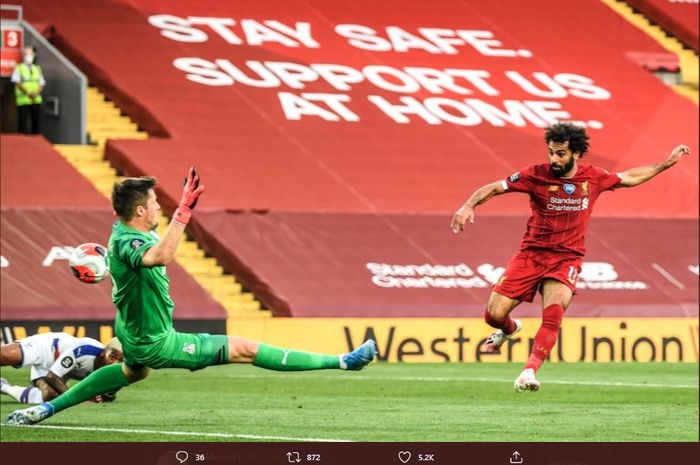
[404, 456]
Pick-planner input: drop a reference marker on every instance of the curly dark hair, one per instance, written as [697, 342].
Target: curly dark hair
[130, 193]
[575, 135]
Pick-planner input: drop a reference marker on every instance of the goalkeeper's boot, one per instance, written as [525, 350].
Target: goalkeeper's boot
[360, 357]
[31, 415]
[496, 340]
[526, 381]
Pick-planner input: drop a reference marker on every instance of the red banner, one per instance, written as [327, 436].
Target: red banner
[328, 265]
[317, 106]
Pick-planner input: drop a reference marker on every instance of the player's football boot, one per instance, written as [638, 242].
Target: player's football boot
[526, 381]
[31, 415]
[360, 357]
[496, 340]
[3, 382]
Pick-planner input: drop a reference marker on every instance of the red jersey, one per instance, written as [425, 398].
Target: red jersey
[561, 207]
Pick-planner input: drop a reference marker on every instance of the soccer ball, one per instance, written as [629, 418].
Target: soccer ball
[87, 262]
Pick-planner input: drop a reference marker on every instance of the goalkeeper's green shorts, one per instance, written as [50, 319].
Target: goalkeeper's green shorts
[193, 351]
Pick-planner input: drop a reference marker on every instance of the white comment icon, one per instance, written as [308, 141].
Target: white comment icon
[182, 456]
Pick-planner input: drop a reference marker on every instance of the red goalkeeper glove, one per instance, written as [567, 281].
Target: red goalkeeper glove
[190, 195]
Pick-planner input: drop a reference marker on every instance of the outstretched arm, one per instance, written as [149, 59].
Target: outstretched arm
[164, 251]
[466, 211]
[636, 176]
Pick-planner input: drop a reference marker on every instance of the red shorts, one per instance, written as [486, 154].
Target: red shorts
[528, 268]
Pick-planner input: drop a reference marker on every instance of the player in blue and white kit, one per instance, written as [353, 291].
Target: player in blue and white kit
[54, 359]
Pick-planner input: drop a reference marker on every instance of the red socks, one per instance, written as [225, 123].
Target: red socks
[507, 325]
[546, 336]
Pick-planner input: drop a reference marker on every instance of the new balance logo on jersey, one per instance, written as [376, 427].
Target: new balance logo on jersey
[188, 348]
[553, 188]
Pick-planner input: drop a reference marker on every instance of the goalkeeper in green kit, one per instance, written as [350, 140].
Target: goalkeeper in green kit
[144, 320]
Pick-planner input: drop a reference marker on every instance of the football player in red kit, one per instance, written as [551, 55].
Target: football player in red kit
[562, 195]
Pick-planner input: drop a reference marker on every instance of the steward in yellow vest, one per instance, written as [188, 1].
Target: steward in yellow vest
[29, 82]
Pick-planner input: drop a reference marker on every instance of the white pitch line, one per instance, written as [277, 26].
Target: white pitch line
[668, 276]
[181, 433]
[467, 380]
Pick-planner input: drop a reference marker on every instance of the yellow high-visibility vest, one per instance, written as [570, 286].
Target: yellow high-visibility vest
[30, 77]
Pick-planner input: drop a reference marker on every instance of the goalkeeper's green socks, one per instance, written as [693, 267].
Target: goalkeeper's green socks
[274, 358]
[106, 379]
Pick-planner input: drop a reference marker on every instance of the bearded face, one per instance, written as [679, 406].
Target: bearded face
[562, 161]
[558, 170]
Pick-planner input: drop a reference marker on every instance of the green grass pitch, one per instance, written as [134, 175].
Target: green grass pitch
[387, 402]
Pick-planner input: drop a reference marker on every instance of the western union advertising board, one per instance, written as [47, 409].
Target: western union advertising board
[460, 340]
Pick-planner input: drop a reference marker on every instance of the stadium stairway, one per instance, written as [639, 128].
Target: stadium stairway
[688, 59]
[105, 121]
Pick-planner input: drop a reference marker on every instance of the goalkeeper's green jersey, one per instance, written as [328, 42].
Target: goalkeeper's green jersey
[144, 308]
